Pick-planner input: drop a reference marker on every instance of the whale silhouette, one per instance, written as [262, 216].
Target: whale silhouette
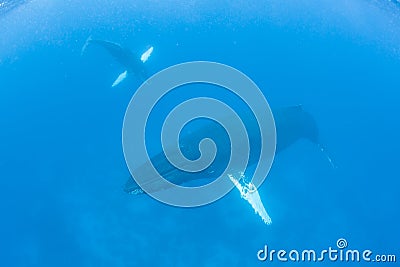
[133, 64]
[292, 124]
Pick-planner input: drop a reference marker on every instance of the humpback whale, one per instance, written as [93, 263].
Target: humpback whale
[133, 64]
[292, 124]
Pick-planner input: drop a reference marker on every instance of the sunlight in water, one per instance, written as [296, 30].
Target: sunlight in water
[249, 192]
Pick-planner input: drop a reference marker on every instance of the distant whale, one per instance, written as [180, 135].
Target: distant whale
[133, 64]
[292, 124]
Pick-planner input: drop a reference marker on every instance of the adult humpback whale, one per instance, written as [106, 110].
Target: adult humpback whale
[292, 124]
[133, 64]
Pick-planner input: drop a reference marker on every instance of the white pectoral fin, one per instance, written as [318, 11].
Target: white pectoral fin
[86, 45]
[120, 78]
[249, 192]
[145, 56]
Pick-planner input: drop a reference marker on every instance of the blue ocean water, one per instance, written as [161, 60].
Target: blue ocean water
[62, 169]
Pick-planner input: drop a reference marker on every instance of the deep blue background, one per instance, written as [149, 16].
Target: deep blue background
[61, 163]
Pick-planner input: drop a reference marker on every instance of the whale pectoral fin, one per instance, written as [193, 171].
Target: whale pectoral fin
[145, 56]
[88, 40]
[248, 191]
[328, 156]
[120, 78]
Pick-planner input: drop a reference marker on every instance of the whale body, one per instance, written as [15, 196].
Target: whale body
[133, 64]
[292, 124]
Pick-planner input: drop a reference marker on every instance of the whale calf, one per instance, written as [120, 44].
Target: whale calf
[133, 64]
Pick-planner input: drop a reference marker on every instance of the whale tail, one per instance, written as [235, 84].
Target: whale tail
[88, 40]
